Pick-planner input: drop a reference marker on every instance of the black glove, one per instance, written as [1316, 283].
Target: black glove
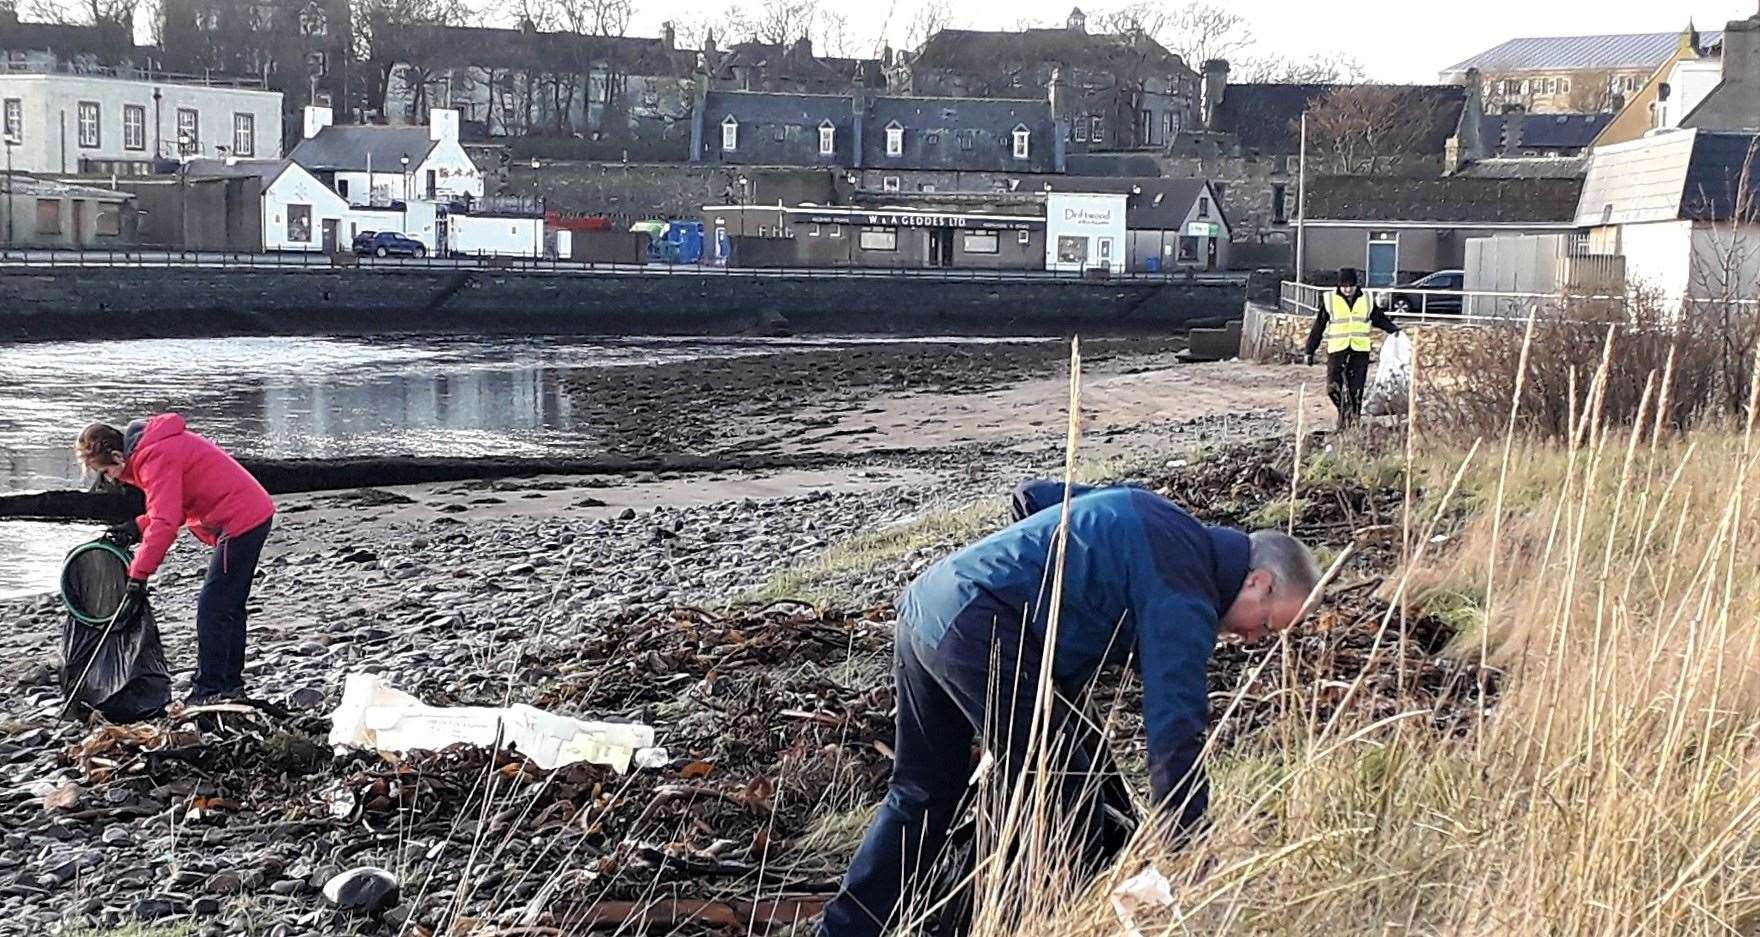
[133, 601]
[124, 535]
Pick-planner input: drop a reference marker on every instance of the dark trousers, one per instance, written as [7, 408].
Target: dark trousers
[1346, 374]
[947, 698]
[220, 612]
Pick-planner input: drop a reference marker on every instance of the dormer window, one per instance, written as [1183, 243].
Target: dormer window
[730, 133]
[1021, 138]
[894, 139]
[827, 138]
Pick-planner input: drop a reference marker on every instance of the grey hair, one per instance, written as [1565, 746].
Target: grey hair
[1291, 565]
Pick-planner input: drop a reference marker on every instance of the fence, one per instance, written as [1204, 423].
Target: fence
[53, 259]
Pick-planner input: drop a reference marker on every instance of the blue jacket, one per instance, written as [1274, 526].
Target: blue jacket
[1143, 582]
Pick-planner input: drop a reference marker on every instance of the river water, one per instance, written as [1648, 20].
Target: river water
[298, 397]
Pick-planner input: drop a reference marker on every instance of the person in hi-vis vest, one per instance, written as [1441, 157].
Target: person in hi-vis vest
[1343, 321]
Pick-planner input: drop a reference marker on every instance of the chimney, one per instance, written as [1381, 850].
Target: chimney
[1215, 88]
[668, 36]
[316, 119]
[1514, 125]
[1741, 54]
[443, 124]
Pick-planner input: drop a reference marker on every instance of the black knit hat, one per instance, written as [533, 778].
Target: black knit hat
[1347, 276]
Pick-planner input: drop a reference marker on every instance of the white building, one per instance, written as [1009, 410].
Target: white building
[1084, 231]
[375, 165]
[69, 123]
[1683, 208]
[1690, 82]
[297, 212]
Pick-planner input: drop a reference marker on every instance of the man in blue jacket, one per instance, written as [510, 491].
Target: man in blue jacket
[1144, 584]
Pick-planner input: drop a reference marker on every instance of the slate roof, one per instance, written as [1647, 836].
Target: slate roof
[267, 170]
[1579, 53]
[1528, 167]
[458, 46]
[1460, 200]
[1676, 175]
[66, 39]
[24, 185]
[1544, 131]
[961, 50]
[797, 65]
[346, 147]
[933, 129]
[1160, 204]
[1266, 118]
[1139, 165]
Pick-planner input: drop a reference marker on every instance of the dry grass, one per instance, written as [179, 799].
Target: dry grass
[1614, 788]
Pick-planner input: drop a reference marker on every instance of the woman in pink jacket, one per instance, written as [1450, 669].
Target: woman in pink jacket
[190, 482]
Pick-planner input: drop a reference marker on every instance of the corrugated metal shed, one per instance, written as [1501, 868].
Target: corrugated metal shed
[1579, 53]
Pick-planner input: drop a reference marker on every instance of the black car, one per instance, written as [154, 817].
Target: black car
[1419, 298]
[388, 244]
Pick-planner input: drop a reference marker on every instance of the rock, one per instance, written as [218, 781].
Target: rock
[205, 906]
[305, 698]
[287, 886]
[116, 836]
[627, 514]
[225, 883]
[153, 909]
[362, 890]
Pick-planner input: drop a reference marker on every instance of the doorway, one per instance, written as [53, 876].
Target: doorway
[940, 247]
[1382, 264]
[330, 235]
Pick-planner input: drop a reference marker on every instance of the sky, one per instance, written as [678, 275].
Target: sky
[1395, 40]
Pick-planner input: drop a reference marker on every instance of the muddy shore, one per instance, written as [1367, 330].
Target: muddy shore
[566, 591]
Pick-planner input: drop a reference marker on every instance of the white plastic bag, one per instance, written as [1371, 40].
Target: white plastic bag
[375, 715]
[1393, 378]
[1140, 895]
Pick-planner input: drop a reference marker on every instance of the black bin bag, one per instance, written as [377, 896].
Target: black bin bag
[125, 677]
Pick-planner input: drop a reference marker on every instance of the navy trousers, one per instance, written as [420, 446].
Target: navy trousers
[220, 612]
[980, 681]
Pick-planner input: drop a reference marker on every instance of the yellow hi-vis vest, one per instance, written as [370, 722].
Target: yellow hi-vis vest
[1347, 323]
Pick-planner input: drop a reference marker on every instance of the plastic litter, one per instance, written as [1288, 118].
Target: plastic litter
[1393, 378]
[1143, 892]
[377, 716]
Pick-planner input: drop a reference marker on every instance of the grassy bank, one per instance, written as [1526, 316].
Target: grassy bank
[1612, 788]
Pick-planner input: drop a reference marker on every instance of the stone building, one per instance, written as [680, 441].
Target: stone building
[757, 66]
[887, 135]
[301, 48]
[1569, 73]
[41, 47]
[611, 97]
[1108, 91]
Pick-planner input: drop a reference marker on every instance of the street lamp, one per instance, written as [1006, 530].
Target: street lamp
[537, 199]
[404, 159]
[10, 143]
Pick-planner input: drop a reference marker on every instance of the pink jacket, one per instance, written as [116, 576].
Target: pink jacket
[188, 480]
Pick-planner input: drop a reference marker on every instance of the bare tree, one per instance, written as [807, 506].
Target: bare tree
[832, 35]
[383, 36]
[1203, 30]
[1725, 271]
[1359, 128]
[84, 12]
[932, 16]
[1319, 69]
[774, 22]
[1144, 16]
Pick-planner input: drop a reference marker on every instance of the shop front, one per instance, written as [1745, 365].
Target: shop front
[1085, 231]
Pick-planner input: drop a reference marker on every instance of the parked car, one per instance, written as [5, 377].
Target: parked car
[1419, 298]
[388, 244]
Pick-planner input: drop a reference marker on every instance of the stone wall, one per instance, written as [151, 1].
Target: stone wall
[629, 192]
[80, 303]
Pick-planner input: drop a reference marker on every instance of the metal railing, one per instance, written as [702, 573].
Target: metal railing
[207, 79]
[312, 260]
[1491, 306]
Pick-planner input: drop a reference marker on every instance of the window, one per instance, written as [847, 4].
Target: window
[763, 231]
[894, 139]
[88, 124]
[879, 239]
[244, 135]
[1188, 250]
[979, 242]
[925, 187]
[813, 232]
[968, 140]
[109, 222]
[827, 139]
[1081, 129]
[312, 21]
[1145, 126]
[932, 139]
[1021, 137]
[1025, 237]
[189, 131]
[1176, 123]
[1279, 203]
[730, 133]
[837, 230]
[48, 216]
[1094, 128]
[1072, 249]
[14, 119]
[299, 224]
[134, 127]
[1203, 206]
[889, 184]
